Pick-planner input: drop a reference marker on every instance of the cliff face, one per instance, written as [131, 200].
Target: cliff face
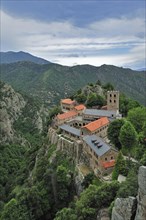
[141, 198]
[18, 115]
[72, 148]
[74, 151]
[124, 208]
[132, 208]
[11, 107]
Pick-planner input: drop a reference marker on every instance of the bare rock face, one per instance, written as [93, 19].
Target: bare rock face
[17, 112]
[141, 198]
[53, 136]
[124, 208]
[103, 214]
[96, 88]
[11, 107]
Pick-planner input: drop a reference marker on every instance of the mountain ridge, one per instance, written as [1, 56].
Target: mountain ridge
[50, 82]
[12, 57]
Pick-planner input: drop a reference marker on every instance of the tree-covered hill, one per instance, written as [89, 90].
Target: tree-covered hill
[50, 82]
[12, 57]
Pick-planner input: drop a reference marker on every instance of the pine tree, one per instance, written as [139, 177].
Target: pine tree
[128, 137]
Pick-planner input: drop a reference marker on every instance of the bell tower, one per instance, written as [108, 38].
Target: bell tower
[113, 100]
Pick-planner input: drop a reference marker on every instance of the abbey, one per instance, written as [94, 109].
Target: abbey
[88, 127]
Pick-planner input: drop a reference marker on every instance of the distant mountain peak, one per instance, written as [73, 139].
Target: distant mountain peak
[142, 69]
[12, 57]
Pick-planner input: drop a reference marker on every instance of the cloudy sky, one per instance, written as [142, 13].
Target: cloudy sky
[77, 31]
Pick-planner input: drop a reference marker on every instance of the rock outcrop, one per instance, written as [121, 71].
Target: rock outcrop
[73, 149]
[16, 112]
[11, 107]
[103, 214]
[141, 198]
[132, 208]
[124, 208]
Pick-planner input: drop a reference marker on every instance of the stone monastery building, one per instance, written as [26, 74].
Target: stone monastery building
[89, 126]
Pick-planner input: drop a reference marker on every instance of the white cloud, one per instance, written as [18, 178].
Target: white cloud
[123, 26]
[56, 40]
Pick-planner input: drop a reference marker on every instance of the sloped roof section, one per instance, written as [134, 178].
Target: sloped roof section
[100, 113]
[108, 164]
[80, 107]
[67, 101]
[97, 144]
[92, 126]
[67, 115]
[70, 129]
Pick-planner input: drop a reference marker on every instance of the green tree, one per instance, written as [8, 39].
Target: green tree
[64, 185]
[98, 82]
[94, 99]
[54, 111]
[88, 180]
[130, 186]
[113, 132]
[137, 117]
[95, 197]
[13, 211]
[120, 167]
[144, 129]
[108, 87]
[66, 214]
[80, 98]
[128, 137]
[127, 104]
[143, 159]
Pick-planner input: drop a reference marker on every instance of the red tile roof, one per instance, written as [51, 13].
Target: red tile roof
[67, 115]
[67, 101]
[97, 124]
[109, 164]
[79, 107]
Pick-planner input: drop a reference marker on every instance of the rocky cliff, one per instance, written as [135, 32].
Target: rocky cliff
[18, 115]
[73, 150]
[141, 198]
[11, 106]
[132, 208]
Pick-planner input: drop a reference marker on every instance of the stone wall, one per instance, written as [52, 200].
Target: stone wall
[73, 149]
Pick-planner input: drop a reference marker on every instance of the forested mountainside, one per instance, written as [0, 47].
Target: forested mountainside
[12, 57]
[38, 181]
[51, 82]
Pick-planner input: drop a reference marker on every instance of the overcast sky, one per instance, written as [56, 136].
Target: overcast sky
[77, 32]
